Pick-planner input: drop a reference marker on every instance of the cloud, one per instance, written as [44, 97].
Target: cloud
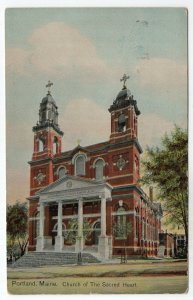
[17, 185]
[162, 75]
[58, 49]
[84, 119]
[152, 128]
[17, 61]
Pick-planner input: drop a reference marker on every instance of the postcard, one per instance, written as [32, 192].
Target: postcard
[97, 150]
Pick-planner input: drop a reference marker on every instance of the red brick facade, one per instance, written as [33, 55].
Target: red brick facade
[121, 169]
[167, 240]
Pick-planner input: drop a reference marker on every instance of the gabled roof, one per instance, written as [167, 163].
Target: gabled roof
[69, 182]
[104, 146]
[79, 148]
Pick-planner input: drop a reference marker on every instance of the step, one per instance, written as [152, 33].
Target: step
[36, 259]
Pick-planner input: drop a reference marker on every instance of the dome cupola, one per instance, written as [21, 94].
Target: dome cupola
[124, 114]
[124, 98]
[48, 112]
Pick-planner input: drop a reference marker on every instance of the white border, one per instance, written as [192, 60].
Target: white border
[87, 3]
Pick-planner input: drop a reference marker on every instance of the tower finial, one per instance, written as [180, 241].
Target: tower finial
[124, 79]
[78, 142]
[48, 85]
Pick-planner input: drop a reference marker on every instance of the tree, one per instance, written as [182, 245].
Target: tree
[166, 167]
[17, 226]
[122, 230]
[71, 233]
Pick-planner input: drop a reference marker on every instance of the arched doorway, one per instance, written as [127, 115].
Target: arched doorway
[55, 230]
[96, 232]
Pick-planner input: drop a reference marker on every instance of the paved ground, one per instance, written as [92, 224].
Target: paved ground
[133, 277]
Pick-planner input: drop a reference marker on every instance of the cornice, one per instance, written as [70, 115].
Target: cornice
[46, 125]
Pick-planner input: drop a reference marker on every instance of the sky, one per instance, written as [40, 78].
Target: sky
[85, 52]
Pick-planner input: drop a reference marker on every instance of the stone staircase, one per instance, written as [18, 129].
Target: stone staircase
[39, 259]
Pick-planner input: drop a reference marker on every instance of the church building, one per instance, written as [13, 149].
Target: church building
[89, 199]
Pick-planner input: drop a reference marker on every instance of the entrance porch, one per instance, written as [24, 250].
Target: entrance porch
[79, 220]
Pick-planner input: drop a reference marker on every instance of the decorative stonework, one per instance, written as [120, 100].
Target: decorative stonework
[40, 177]
[80, 189]
[69, 184]
[121, 162]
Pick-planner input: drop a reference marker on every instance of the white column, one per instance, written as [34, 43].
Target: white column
[40, 238]
[79, 242]
[41, 220]
[103, 216]
[59, 239]
[59, 231]
[103, 246]
[80, 218]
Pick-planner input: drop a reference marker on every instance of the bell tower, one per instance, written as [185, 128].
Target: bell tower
[47, 143]
[124, 120]
[124, 114]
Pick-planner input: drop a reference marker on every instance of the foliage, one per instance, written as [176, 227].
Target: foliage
[122, 230]
[181, 252]
[17, 227]
[166, 167]
[71, 234]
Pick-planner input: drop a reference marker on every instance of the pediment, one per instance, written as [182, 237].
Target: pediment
[69, 183]
[79, 149]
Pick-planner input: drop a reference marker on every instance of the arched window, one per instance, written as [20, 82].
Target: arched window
[41, 145]
[80, 165]
[137, 222]
[44, 115]
[121, 218]
[136, 165]
[143, 228]
[49, 114]
[121, 123]
[96, 232]
[61, 172]
[147, 229]
[55, 145]
[120, 228]
[135, 124]
[55, 229]
[99, 166]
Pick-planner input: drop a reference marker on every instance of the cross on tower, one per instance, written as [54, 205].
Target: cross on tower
[48, 85]
[78, 142]
[124, 79]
